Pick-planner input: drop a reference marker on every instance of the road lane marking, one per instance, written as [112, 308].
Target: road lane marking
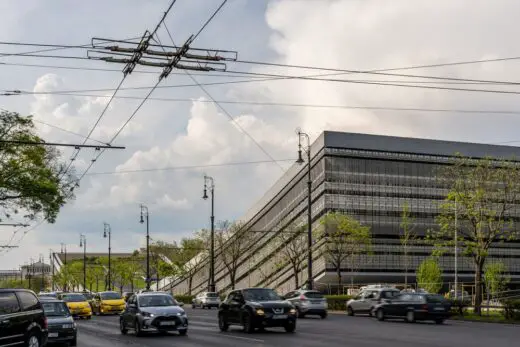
[241, 338]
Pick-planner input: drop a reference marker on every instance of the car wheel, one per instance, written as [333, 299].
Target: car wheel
[380, 314]
[122, 327]
[323, 315]
[439, 321]
[137, 328]
[410, 316]
[247, 322]
[33, 340]
[350, 311]
[222, 324]
[74, 342]
[290, 327]
[193, 306]
[89, 317]
[183, 332]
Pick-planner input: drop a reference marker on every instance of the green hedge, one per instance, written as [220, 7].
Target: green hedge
[337, 302]
[511, 309]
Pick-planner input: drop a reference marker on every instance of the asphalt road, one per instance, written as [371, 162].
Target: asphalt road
[336, 330]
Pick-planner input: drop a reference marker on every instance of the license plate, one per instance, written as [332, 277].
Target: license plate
[280, 316]
[167, 323]
[439, 308]
[53, 334]
[316, 302]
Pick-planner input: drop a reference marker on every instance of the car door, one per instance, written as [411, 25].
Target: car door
[235, 306]
[11, 320]
[130, 311]
[365, 303]
[357, 302]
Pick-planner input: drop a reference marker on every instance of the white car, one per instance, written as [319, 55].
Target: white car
[206, 300]
[367, 299]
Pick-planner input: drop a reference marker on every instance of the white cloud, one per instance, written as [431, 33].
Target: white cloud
[349, 34]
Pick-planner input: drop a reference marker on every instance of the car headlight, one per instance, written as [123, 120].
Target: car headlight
[147, 314]
[260, 312]
[182, 314]
[292, 311]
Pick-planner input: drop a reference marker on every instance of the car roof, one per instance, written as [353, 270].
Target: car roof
[108, 291]
[51, 300]
[153, 293]
[3, 290]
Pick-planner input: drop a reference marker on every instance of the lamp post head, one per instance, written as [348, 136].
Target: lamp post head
[105, 234]
[81, 242]
[205, 194]
[300, 159]
[142, 219]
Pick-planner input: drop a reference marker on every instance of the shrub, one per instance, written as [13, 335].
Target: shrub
[511, 309]
[458, 306]
[337, 302]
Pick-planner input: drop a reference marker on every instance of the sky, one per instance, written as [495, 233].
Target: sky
[193, 136]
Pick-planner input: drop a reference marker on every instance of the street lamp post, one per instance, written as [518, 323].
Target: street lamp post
[209, 183]
[309, 201]
[456, 265]
[108, 233]
[144, 213]
[83, 243]
[64, 251]
[42, 272]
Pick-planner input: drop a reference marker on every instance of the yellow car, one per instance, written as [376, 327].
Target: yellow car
[108, 303]
[77, 304]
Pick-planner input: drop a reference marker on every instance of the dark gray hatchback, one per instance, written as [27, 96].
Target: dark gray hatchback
[61, 325]
[22, 321]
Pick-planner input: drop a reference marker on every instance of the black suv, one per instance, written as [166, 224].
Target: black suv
[256, 308]
[153, 312]
[22, 321]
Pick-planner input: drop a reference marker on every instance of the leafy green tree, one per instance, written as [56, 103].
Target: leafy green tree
[429, 275]
[192, 253]
[33, 181]
[346, 240]
[496, 277]
[483, 194]
[408, 237]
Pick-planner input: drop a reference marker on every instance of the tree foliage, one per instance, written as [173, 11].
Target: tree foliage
[33, 181]
[407, 236]
[429, 275]
[232, 240]
[496, 277]
[483, 194]
[346, 240]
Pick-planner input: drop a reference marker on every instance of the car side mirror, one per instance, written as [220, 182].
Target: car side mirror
[132, 306]
[181, 304]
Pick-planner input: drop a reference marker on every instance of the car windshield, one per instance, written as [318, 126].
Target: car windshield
[156, 300]
[260, 294]
[55, 309]
[314, 295]
[110, 296]
[212, 295]
[47, 295]
[74, 298]
[88, 296]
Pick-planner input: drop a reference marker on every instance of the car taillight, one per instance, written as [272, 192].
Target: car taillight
[45, 323]
[303, 298]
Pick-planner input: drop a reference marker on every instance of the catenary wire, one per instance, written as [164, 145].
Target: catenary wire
[67, 131]
[496, 91]
[301, 105]
[189, 167]
[208, 21]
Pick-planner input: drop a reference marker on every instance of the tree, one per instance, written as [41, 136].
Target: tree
[408, 237]
[483, 195]
[232, 240]
[192, 252]
[429, 275]
[293, 251]
[346, 241]
[496, 277]
[33, 181]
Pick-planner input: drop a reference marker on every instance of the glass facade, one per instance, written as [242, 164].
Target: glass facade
[370, 184]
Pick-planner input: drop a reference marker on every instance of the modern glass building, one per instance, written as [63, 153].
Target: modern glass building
[370, 177]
